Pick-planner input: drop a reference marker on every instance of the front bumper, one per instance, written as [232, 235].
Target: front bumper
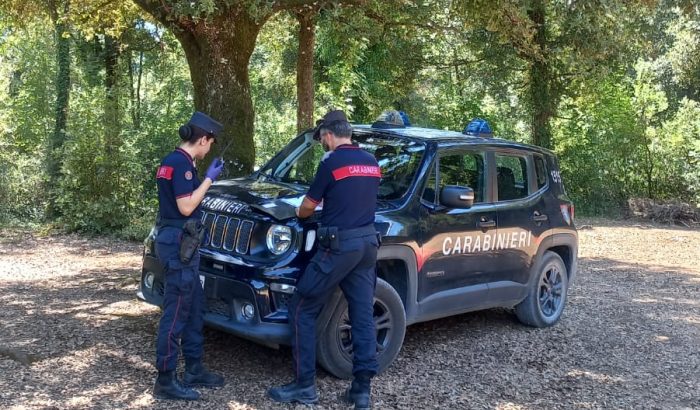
[228, 289]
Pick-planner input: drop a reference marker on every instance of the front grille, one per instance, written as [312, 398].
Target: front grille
[244, 237]
[207, 221]
[218, 231]
[229, 234]
[160, 288]
[281, 300]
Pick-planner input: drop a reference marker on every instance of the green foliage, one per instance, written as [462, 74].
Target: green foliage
[273, 81]
[599, 144]
[623, 79]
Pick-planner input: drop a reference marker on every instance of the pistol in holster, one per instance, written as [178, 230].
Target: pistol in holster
[192, 236]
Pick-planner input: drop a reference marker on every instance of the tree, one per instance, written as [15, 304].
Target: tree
[305, 66]
[58, 11]
[218, 38]
[560, 43]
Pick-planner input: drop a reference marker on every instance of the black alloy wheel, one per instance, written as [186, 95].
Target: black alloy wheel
[334, 347]
[551, 291]
[547, 291]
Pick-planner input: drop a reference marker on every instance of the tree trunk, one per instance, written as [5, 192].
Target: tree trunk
[540, 82]
[112, 114]
[135, 89]
[218, 61]
[54, 158]
[305, 69]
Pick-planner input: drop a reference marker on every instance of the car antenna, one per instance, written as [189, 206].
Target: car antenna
[221, 154]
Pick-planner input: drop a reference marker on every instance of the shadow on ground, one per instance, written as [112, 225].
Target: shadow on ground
[628, 339]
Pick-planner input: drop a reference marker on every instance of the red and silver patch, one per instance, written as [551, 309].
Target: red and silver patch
[188, 175]
[165, 172]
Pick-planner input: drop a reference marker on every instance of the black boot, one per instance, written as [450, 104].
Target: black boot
[196, 375]
[304, 393]
[359, 392]
[167, 387]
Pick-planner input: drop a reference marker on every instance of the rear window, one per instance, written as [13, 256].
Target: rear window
[511, 176]
[541, 172]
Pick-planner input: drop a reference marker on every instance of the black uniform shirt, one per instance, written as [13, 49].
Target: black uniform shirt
[176, 178]
[347, 181]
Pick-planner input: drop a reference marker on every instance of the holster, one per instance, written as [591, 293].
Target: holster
[328, 237]
[192, 236]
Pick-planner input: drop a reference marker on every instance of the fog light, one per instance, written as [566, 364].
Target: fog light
[248, 311]
[148, 280]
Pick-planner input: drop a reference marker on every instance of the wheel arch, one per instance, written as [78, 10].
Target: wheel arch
[566, 246]
[396, 265]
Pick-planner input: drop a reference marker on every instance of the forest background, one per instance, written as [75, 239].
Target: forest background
[92, 92]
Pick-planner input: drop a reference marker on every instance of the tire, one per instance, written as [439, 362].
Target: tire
[334, 348]
[547, 293]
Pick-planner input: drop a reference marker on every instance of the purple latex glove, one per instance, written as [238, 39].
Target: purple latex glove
[215, 169]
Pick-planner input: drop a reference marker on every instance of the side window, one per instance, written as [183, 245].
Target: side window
[511, 176]
[464, 169]
[540, 171]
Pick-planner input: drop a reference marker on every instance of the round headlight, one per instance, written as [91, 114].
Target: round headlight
[279, 239]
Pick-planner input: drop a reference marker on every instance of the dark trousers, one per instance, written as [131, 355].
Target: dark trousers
[183, 306]
[353, 267]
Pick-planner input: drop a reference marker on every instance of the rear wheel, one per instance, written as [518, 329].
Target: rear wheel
[546, 296]
[334, 349]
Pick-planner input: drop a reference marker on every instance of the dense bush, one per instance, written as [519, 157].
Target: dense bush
[632, 130]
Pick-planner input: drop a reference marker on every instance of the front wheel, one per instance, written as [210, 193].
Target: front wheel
[334, 349]
[547, 293]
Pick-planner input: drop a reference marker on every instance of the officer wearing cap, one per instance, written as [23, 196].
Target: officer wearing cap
[347, 181]
[179, 195]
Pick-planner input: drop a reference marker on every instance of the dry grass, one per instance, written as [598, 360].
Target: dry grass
[74, 336]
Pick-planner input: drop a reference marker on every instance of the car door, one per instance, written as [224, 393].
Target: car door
[521, 218]
[455, 263]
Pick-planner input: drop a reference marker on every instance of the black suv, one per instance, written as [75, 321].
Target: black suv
[467, 223]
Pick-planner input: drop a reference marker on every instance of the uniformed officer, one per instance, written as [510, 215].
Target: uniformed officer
[179, 195]
[347, 181]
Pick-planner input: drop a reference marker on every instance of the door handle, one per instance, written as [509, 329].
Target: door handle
[537, 217]
[487, 223]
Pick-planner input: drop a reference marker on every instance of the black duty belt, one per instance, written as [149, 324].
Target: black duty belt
[345, 234]
[353, 233]
[173, 223]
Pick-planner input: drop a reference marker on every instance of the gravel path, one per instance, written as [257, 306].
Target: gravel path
[73, 335]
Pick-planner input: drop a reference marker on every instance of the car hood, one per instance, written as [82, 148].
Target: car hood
[275, 199]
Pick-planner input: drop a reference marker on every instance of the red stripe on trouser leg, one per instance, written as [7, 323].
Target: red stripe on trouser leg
[177, 310]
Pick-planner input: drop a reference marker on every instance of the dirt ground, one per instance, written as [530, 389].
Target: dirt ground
[73, 335]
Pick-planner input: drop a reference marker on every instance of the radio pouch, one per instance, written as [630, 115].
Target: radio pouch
[328, 237]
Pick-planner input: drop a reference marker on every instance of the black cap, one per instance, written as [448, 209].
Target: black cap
[206, 123]
[331, 117]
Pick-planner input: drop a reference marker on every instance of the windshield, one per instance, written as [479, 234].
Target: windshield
[398, 159]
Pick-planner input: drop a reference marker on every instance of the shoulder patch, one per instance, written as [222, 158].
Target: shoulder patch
[188, 175]
[165, 172]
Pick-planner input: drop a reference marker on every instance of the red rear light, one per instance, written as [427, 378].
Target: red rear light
[567, 212]
[572, 211]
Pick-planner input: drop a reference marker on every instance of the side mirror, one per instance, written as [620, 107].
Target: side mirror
[453, 196]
